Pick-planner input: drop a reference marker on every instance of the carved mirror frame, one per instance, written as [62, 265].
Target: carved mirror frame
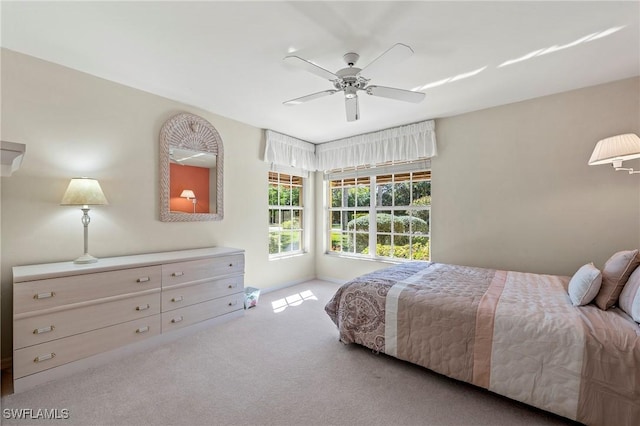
[189, 132]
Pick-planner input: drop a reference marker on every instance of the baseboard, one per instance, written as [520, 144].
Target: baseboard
[332, 280]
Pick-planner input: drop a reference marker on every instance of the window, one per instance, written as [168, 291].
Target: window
[381, 212]
[285, 214]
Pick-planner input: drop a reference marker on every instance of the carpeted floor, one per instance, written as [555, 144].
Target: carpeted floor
[280, 364]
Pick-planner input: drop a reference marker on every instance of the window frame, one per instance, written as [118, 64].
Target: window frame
[293, 180]
[369, 176]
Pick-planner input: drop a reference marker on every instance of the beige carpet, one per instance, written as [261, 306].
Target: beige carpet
[271, 368]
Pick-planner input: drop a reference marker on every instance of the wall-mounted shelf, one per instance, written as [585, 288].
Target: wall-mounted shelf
[12, 154]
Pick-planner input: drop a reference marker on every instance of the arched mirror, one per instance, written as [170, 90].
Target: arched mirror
[191, 159]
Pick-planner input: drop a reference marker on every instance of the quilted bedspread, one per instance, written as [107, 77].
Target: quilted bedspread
[514, 333]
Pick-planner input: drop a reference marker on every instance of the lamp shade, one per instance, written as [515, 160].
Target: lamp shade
[187, 193]
[616, 149]
[83, 191]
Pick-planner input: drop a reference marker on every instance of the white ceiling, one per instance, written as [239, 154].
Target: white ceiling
[226, 57]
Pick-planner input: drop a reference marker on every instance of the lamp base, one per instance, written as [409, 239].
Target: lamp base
[86, 258]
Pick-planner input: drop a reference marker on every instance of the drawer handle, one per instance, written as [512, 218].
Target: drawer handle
[143, 279]
[177, 319]
[230, 265]
[235, 302]
[44, 357]
[233, 285]
[43, 330]
[142, 329]
[44, 295]
[177, 299]
[142, 307]
[177, 274]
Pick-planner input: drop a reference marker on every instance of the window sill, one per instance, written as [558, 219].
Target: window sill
[393, 261]
[286, 256]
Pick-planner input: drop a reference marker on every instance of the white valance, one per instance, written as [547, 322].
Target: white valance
[283, 150]
[404, 143]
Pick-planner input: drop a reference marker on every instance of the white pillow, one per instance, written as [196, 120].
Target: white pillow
[584, 285]
[630, 296]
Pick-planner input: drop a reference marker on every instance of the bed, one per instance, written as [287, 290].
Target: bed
[516, 334]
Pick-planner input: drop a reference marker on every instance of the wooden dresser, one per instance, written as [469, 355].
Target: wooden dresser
[68, 317]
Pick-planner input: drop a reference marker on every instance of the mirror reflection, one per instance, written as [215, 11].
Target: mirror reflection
[193, 181]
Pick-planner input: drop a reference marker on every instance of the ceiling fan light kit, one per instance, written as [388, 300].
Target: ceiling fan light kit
[350, 79]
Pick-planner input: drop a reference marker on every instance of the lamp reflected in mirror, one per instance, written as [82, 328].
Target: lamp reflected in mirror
[189, 195]
[188, 178]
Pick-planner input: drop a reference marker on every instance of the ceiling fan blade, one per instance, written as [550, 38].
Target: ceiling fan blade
[310, 97]
[394, 55]
[392, 93]
[311, 67]
[353, 112]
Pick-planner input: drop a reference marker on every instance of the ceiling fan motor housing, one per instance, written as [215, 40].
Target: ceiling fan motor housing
[351, 58]
[349, 78]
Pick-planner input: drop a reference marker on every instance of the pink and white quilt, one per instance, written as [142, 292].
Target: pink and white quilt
[514, 333]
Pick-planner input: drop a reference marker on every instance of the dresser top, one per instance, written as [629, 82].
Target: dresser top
[61, 269]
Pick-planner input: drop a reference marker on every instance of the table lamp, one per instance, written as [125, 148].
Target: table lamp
[84, 192]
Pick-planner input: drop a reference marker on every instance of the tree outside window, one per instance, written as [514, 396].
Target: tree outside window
[386, 215]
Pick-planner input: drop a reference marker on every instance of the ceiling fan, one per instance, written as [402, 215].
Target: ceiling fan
[351, 79]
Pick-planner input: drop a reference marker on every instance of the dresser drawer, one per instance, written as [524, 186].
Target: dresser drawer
[42, 294]
[35, 329]
[57, 352]
[180, 296]
[198, 270]
[182, 317]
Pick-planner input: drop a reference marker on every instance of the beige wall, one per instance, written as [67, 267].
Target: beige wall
[75, 124]
[512, 188]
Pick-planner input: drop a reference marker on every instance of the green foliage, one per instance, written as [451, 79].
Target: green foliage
[422, 201]
[420, 251]
[284, 195]
[338, 240]
[395, 229]
[401, 192]
[291, 224]
[401, 226]
[282, 242]
[350, 194]
[274, 242]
